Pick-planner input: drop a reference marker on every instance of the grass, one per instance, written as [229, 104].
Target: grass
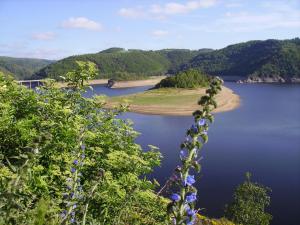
[162, 96]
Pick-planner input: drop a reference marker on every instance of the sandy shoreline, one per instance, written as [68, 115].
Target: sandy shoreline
[124, 84]
[227, 100]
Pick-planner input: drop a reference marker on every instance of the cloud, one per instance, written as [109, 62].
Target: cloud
[271, 15]
[160, 11]
[81, 23]
[131, 12]
[160, 33]
[43, 36]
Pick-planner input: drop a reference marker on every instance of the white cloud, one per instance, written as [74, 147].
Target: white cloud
[160, 11]
[160, 33]
[131, 12]
[82, 23]
[43, 36]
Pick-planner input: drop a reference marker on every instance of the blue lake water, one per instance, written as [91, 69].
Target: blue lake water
[262, 136]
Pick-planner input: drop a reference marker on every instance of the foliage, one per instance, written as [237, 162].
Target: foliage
[117, 62]
[268, 58]
[249, 203]
[64, 159]
[22, 68]
[191, 78]
[182, 208]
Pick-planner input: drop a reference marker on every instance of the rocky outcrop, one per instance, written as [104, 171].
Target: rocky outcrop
[273, 79]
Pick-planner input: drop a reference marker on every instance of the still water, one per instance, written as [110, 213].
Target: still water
[262, 136]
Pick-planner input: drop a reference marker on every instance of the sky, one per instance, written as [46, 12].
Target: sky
[54, 29]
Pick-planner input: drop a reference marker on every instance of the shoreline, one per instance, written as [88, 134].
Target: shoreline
[124, 84]
[227, 100]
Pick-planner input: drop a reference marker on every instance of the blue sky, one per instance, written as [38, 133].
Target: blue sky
[54, 29]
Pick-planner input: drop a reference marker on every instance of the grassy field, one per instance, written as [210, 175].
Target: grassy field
[173, 101]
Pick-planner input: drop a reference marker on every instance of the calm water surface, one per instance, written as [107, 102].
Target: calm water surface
[262, 136]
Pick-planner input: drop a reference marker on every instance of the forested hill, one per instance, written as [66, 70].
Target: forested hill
[253, 61]
[22, 68]
[128, 64]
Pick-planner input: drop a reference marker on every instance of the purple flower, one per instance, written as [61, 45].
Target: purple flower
[190, 180]
[183, 154]
[82, 147]
[201, 122]
[175, 197]
[191, 212]
[74, 206]
[63, 214]
[83, 156]
[73, 170]
[190, 222]
[72, 220]
[75, 162]
[194, 128]
[204, 132]
[191, 197]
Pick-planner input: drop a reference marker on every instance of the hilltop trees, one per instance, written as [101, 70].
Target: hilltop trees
[191, 78]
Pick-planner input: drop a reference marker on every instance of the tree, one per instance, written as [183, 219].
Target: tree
[249, 203]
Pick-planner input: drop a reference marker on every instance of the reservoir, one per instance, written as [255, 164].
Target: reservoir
[262, 136]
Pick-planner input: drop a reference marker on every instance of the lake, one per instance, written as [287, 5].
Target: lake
[262, 136]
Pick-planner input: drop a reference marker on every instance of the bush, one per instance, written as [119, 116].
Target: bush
[249, 203]
[63, 158]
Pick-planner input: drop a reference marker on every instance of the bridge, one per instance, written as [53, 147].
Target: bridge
[31, 83]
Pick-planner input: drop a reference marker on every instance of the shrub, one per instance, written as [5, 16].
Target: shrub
[64, 159]
[249, 203]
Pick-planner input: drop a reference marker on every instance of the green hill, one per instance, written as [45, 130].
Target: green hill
[118, 62]
[254, 61]
[22, 68]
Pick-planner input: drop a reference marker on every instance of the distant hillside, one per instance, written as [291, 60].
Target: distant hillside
[253, 61]
[22, 68]
[128, 64]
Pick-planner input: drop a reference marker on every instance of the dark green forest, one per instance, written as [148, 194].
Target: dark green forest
[131, 64]
[22, 68]
[271, 59]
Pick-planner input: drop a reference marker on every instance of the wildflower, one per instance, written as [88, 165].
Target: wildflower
[82, 147]
[194, 128]
[201, 122]
[183, 154]
[190, 222]
[83, 156]
[191, 212]
[75, 162]
[74, 206]
[191, 197]
[190, 180]
[72, 220]
[73, 170]
[175, 197]
[204, 132]
[63, 214]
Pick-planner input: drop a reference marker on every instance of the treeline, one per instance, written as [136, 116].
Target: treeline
[274, 59]
[191, 78]
[22, 68]
[117, 61]
[270, 58]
